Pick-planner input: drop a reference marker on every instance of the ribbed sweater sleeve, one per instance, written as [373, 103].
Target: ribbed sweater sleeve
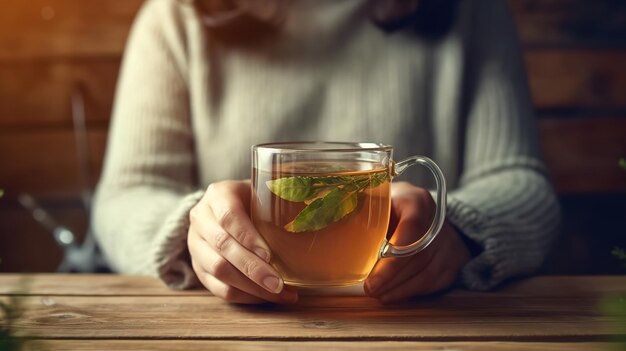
[148, 185]
[505, 202]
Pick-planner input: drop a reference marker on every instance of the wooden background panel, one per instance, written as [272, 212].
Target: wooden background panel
[44, 162]
[37, 95]
[571, 23]
[62, 28]
[583, 153]
[573, 79]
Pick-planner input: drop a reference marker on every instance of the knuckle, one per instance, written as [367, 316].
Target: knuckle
[211, 188]
[222, 241]
[226, 217]
[193, 215]
[219, 268]
[245, 238]
[250, 267]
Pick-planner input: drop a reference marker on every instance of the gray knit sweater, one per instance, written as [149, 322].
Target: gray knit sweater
[189, 106]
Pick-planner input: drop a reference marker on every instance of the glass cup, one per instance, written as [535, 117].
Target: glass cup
[324, 208]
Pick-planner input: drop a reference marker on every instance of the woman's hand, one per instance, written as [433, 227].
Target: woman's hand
[431, 270]
[227, 253]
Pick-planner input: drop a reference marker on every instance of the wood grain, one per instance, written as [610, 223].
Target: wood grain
[44, 162]
[89, 285]
[582, 153]
[37, 95]
[38, 29]
[447, 318]
[541, 309]
[219, 345]
[128, 285]
[577, 78]
[571, 23]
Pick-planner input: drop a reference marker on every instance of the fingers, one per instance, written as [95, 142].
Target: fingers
[410, 227]
[433, 278]
[256, 269]
[226, 247]
[390, 276]
[433, 269]
[230, 212]
[211, 263]
[447, 256]
[228, 292]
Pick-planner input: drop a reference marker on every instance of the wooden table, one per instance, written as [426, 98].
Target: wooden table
[109, 312]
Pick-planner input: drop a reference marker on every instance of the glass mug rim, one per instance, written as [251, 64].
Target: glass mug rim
[320, 146]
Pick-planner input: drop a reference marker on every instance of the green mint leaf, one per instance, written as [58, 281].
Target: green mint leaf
[326, 210]
[378, 179]
[622, 163]
[296, 189]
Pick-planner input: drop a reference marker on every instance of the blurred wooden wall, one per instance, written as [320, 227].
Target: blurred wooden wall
[575, 51]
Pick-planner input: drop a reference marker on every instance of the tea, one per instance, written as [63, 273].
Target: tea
[323, 221]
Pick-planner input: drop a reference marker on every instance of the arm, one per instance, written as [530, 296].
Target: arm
[505, 202]
[148, 185]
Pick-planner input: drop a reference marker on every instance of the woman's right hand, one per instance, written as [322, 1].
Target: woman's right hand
[227, 253]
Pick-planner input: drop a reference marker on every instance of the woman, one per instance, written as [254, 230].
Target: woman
[203, 81]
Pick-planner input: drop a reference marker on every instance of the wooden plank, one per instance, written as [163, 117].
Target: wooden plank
[90, 285]
[219, 345]
[63, 28]
[571, 22]
[577, 78]
[37, 95]
[45, 162]
[582, 153]
[116, 285]
[448, 318]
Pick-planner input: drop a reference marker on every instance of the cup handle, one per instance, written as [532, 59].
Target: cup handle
[390, 250]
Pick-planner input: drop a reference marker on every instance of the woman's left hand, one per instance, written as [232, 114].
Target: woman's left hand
[433, 269]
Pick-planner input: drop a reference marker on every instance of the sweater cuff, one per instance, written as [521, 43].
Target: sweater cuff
[489, 267]
[172, 257]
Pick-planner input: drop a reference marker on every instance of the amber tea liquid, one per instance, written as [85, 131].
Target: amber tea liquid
[343, 252]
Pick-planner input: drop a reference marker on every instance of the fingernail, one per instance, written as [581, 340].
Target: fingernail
[373, 284]
[273, 284]
[263, 254]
